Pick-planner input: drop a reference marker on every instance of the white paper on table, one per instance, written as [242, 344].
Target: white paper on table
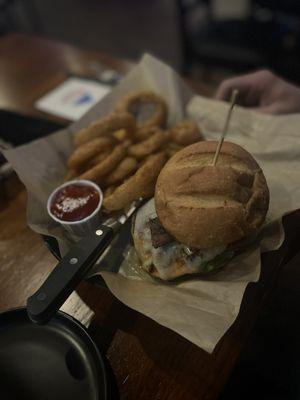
[79, 310]
[199, 310]
[72, 98]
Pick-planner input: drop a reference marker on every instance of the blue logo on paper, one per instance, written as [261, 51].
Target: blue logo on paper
[77, 97]
[84, 99]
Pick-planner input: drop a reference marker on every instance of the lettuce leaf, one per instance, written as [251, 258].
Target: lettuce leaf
[220, 260]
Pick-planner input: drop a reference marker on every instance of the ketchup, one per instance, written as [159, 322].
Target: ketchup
[74, 202]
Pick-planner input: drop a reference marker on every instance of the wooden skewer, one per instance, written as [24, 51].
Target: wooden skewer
[232, 104]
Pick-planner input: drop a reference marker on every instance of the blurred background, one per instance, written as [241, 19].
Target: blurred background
[203, 39]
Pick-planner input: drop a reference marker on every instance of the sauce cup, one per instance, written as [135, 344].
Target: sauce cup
[74, 208]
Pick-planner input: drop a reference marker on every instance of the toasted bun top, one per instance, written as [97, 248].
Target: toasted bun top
[204, 206]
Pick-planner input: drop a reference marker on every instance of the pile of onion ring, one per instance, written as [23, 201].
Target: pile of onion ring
[125, 151]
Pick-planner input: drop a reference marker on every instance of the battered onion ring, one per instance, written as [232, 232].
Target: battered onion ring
[121, 135]
[144, 133]
[127, 143]
[71, 174]
[185, 133]
[104, 167]
[148, 146]
[100, 157]
[126, 167]
[148, 192]
[105, 126]
[88, 150]
[135, 102]
[108, 191]
[173, 148]
[138, 185]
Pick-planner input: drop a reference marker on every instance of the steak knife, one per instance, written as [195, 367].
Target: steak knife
[72, 268]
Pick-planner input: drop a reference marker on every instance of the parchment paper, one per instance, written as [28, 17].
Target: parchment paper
[199, 310]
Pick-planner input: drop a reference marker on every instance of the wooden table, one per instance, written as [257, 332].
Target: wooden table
[148, 360]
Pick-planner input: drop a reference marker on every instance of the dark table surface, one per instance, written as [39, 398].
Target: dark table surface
[148, 360]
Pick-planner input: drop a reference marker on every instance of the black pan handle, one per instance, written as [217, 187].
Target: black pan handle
[44, 303]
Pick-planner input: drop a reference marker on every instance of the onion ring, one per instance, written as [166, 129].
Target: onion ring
[104, 167]
[148, 146]
[185, 133]
[121, 135]
[136, 103]
[126, 167]
[88, 150]
[100, 157]
[138, 185]
[97, 159]
[173, 148]
[144, 133]
[71, 174]
[105, 126]
[108, 191]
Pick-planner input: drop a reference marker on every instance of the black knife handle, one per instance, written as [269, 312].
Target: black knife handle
[71, 269]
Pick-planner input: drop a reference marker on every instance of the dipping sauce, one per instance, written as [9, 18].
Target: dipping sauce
[74, 202]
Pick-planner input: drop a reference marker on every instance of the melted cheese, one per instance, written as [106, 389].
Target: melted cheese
[163, 257]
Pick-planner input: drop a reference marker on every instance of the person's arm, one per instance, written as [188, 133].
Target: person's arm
[262, 91]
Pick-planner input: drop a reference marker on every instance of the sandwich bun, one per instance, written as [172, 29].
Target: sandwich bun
[204, 206]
